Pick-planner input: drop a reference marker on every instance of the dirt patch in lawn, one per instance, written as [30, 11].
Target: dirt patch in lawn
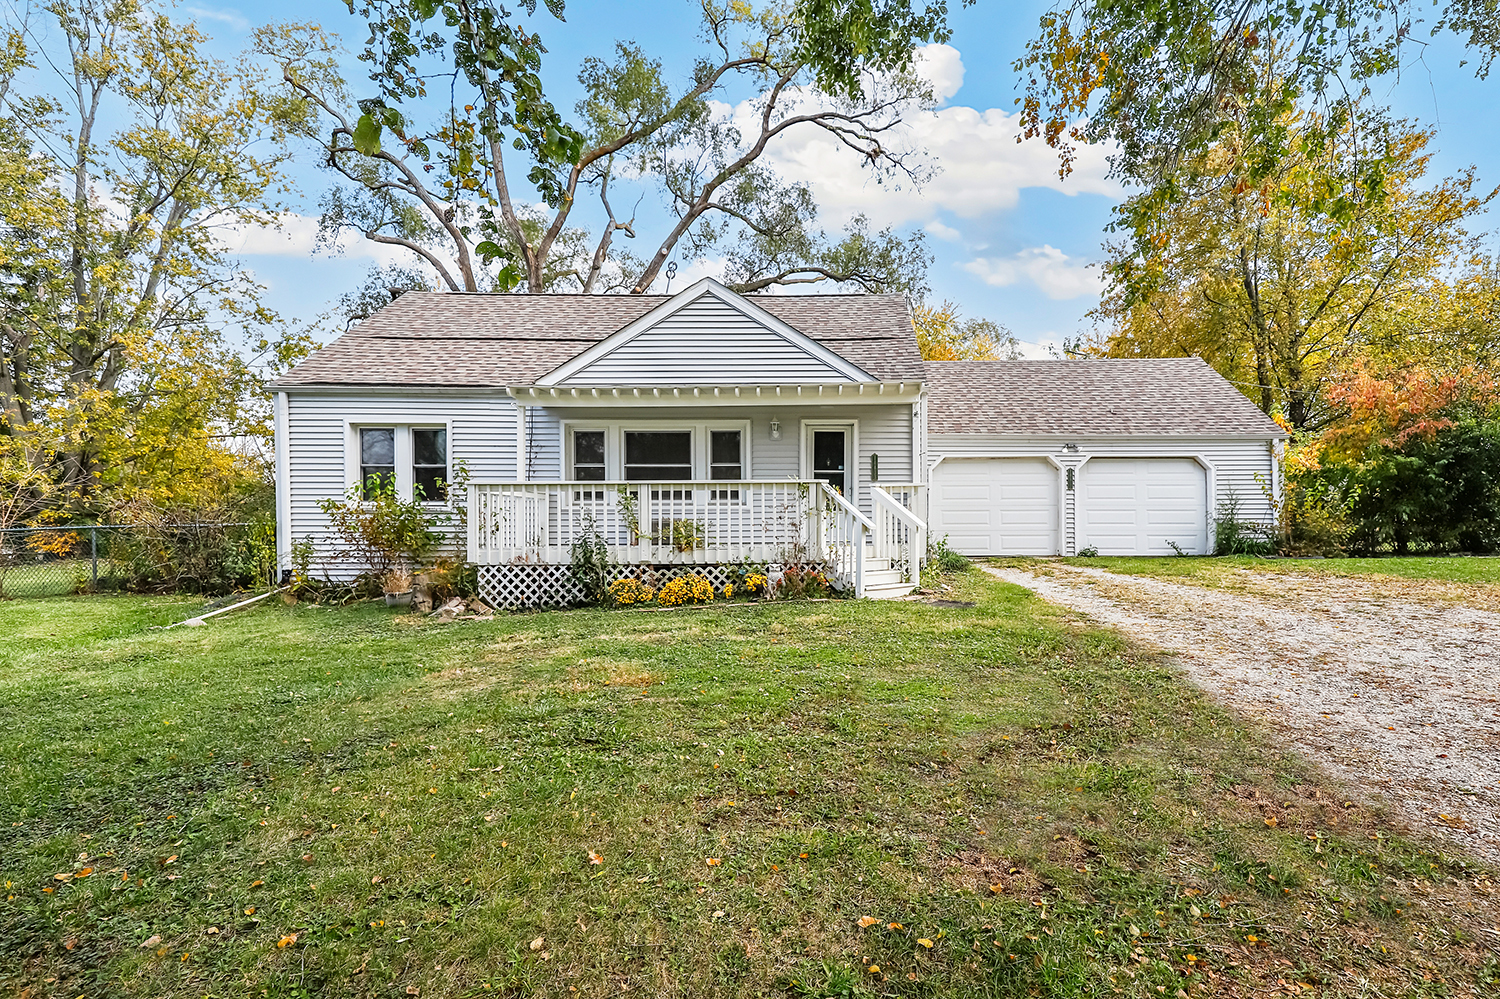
[1389, 687]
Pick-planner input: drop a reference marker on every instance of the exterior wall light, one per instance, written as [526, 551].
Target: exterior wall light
[1070, 447]
[775, 430]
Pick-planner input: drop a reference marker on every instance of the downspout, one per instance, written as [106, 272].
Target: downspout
[283, 473]
[523, 449]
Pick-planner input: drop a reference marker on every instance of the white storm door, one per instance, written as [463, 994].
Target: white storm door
[995, 506]
[1142, 506]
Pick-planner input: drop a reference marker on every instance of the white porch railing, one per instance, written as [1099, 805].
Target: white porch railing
[900, 533]
[670, 523]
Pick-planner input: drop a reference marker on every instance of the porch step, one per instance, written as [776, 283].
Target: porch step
[887, 590]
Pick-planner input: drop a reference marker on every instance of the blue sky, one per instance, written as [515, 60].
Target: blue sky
[1012, 242]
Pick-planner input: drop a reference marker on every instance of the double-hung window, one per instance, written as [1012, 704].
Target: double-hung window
[726, 461]
[588, 463]
[377, 460]
[410, 461]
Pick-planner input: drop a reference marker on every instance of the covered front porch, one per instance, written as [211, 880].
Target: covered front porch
[522, 535]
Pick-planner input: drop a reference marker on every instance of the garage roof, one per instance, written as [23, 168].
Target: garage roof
[1178, 396]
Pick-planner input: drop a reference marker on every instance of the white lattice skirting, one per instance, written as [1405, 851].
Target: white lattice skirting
[528, 585]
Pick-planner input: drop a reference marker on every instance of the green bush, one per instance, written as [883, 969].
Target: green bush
[378, 532]
[945, 559]
[1235, 536]
[1431, 493]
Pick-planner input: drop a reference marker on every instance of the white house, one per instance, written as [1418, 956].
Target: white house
[707, 427]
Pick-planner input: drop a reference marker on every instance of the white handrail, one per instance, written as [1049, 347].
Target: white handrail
[900, 535]
[846, 547]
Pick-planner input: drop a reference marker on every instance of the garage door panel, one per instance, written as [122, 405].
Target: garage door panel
[996, 506]
[1142, 506]
[979, 492]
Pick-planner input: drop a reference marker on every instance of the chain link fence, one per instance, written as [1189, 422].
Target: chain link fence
[100, 558]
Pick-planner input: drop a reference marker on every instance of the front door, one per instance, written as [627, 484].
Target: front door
[829, 458]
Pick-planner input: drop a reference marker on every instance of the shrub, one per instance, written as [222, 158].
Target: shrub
[945, 558]
[1310, 526]
[378, 531]
[590, 562]
[193, 550]
[629, 591]
[1234, 536]
[1434, 493]
[803, 583]
[682, 590]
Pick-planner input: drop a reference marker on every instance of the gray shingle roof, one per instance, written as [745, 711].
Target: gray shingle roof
[1180, 396]
[455, 339]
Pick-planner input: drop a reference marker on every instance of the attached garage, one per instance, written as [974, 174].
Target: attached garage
[1127, 456]
[996, 506]
[1143, 506]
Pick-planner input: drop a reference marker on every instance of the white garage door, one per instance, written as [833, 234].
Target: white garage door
[995, 506]
[1135, 506]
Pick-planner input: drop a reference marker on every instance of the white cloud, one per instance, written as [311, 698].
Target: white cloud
[980, 166]
[943, 232]
[224, 15]
[943, 68]
[297, 236]
[1058, 275]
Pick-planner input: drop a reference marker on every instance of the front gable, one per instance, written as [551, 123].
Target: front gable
[707, 335]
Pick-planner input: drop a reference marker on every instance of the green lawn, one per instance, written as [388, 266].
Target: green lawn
[314, 802]
[1480, 570]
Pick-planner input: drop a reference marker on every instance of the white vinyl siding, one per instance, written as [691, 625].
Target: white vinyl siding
[1243, 468]
[707, 343]
[481, 436]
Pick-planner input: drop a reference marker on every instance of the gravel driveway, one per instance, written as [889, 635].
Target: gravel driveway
[1391, 694]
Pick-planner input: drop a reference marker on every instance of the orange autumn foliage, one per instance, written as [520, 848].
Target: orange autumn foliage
[1389, 408]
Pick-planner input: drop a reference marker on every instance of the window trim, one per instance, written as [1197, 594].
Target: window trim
[405, 452]
[614, 444]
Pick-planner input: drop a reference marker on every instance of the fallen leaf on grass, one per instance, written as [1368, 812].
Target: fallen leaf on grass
[256, 884]
[925, 943]
[151, 941]
[536, 944]
[287, 940]
[713, 861]
[172, 859]
[894, 926]
[594, 858]
[874, 969]
[867, 921]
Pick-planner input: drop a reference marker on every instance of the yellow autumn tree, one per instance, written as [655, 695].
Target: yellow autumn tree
[1282, 285]
[944, 335]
